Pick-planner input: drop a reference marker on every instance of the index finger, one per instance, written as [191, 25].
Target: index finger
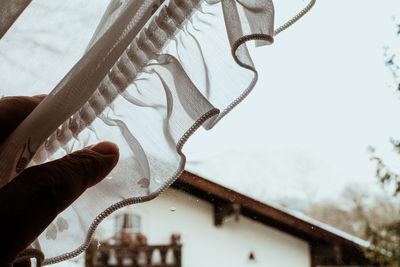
[13, 110]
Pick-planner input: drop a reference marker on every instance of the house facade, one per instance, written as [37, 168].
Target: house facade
[198, 223]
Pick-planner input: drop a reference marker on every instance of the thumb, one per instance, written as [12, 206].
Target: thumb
[33, 199]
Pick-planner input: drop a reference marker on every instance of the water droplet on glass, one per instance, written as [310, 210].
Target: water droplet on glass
[172, 209]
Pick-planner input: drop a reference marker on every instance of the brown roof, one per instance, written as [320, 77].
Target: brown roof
[227, 202]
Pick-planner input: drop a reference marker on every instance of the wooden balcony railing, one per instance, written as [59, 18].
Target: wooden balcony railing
[139, 255]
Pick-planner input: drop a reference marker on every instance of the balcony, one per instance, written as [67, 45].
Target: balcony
[128, 247]
[136, 253]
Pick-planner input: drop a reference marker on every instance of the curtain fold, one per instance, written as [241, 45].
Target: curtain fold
[177, 74]
[153, 73]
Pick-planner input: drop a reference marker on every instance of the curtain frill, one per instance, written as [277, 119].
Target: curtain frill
[186, 65]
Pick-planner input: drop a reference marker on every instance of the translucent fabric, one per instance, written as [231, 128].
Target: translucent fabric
[153, 73]
[9, 12]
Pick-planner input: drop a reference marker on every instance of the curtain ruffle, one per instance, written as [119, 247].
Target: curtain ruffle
[189, 66]
[151, 76]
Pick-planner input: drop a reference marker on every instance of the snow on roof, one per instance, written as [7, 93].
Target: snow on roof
[326, 227]
[299, 215]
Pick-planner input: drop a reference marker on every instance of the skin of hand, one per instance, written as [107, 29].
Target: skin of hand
[32, 200]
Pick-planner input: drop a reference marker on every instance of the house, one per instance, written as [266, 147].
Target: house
[200, 223]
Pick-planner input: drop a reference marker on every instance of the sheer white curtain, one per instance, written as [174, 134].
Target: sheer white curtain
[153, 73]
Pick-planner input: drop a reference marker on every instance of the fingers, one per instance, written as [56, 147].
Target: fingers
[13, 110]
[25, 263]
[34, 198]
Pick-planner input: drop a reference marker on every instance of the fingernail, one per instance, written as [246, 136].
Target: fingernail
[41, 97]
[105, 148]
[90, 146]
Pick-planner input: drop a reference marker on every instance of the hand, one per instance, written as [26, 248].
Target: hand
[31, 201]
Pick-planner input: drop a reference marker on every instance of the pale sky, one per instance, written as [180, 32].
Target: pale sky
[323, 96]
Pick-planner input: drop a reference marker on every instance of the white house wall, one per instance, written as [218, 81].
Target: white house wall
[207, 245]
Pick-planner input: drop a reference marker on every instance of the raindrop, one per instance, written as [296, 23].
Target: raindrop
[172, 208]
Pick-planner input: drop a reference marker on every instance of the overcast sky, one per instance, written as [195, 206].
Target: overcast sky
[323, 97]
